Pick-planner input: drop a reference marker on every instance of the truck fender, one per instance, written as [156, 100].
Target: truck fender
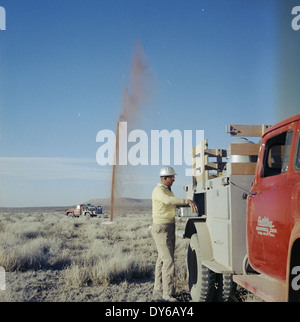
[198, 226]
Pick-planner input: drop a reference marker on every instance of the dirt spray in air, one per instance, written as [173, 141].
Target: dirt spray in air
[135, 98]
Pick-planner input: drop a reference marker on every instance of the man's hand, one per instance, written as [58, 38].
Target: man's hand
[193, 205]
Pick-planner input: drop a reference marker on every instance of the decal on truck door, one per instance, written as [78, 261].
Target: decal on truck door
[265, 227]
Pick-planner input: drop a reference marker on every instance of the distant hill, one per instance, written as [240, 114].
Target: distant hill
[123, 202]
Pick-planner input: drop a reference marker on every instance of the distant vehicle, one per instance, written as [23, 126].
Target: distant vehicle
[84, 210]
[96, 209]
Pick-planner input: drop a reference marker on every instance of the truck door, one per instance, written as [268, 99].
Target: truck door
[269, 203]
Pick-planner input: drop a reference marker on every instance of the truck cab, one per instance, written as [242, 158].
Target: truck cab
[273, 207]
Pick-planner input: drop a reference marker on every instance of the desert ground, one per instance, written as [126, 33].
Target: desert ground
[50, 257]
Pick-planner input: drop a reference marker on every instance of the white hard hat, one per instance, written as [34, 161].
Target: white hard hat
[167, 171]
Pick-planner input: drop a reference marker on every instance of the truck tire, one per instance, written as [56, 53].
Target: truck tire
[201, 279]
[226, 288]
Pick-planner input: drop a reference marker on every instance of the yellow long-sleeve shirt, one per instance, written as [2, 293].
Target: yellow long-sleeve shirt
[164, 205]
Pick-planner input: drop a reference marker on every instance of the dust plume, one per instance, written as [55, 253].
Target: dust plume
[135, 99]
[136, 96]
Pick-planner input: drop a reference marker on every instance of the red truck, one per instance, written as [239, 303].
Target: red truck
[247, 231]
[273, 214]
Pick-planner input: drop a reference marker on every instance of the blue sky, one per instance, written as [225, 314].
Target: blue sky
[63, 64]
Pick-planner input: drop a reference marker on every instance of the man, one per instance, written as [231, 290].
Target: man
[163, 230]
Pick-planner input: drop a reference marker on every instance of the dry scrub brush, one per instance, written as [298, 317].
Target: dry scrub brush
[86, 251]
[28, 244]
[82, 252]
[116, 252]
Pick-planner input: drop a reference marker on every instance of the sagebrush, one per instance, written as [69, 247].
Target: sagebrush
[83, 254]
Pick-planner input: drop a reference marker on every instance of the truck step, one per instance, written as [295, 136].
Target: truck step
[264, 287]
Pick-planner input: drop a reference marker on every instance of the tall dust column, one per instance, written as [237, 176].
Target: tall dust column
[112, 193]
[135, 99]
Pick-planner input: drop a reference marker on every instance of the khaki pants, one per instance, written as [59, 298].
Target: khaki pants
[164, 236]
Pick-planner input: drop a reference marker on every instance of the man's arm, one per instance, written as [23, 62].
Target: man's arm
[171, 200]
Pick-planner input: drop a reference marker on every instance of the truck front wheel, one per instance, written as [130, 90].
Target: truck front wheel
[202, 280]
